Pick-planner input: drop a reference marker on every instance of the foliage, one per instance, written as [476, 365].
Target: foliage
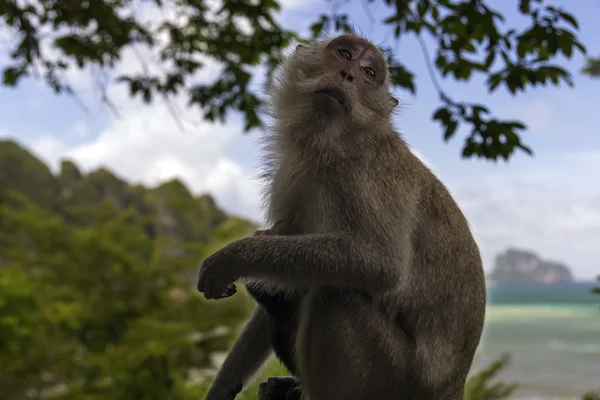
[470, 41]
[101, 312]
[241, 34]
[592, 396]
[592, 67]
[100, 306]
[479, 386]
[21, 171]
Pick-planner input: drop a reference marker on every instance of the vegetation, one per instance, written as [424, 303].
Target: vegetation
[96, 285]
[592, 67]
[182, 36]
[478, 387]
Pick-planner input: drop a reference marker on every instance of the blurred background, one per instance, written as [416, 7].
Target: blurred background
[128, 153]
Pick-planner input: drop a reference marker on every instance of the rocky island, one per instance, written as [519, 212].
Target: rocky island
[523, 266]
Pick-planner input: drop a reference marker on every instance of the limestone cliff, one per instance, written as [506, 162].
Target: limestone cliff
[522, 266]
[175, 212]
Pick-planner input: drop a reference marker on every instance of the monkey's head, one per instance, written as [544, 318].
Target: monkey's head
[343, 80]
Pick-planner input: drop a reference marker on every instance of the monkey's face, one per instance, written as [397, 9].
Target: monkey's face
[345, 78]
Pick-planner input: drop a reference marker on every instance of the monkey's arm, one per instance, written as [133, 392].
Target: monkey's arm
[248, 353]
[339, 260]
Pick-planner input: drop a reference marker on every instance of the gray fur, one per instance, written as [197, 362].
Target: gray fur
[395, 291]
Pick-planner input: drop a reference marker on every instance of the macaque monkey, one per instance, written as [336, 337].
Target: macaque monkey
[382, 276]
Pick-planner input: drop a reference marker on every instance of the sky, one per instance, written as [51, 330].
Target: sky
[548, 203]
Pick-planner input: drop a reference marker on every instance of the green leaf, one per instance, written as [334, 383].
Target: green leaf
[570, 19]
[12, 75]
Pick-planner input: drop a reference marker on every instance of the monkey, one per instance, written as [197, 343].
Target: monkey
[389, 274]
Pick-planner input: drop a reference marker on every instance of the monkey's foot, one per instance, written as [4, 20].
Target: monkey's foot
[280, 388]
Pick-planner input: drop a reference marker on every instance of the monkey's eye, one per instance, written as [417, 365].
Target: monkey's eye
[370, 72]
[345, 54]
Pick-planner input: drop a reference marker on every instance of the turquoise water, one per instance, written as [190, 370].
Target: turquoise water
[553, 336]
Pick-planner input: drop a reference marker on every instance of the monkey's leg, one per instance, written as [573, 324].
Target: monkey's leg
[247, 355]
[280, 388]
[360, 353]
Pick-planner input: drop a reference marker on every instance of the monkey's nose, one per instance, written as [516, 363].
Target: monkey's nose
[347, 75]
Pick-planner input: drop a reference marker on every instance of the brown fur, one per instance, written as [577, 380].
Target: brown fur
[392, 285]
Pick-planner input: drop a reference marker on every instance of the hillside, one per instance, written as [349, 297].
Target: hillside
[522, 266]
[176, 213]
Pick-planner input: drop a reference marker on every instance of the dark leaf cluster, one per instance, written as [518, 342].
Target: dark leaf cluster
[471, 38]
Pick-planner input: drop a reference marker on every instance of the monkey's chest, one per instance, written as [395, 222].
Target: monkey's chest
[283, 311]
[311, 206]
[283, 329]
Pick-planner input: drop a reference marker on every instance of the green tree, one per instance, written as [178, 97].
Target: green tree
[480, 386]
[592, 396]
[470, 36]
[102, 311]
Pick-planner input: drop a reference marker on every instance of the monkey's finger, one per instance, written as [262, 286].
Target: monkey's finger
[231, 288]
[294, 394]
[217, 292]
[209, 291]
[230, 291]
[201, 281]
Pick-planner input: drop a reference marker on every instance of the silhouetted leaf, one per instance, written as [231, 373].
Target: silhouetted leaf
[471, 39]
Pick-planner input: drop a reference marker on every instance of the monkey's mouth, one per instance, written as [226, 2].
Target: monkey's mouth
[336, 93]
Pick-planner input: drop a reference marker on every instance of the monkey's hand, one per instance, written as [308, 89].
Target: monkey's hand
[280, 388]
[217, 274]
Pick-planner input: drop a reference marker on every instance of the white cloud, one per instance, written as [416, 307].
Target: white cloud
[559, 224]
[148, 147]
[49, 149]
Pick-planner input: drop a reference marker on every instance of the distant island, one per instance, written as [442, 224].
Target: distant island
[523, 266]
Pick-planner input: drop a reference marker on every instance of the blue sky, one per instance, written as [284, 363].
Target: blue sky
[549, 203]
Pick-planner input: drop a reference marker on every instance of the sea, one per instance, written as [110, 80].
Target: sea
[552, 334]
